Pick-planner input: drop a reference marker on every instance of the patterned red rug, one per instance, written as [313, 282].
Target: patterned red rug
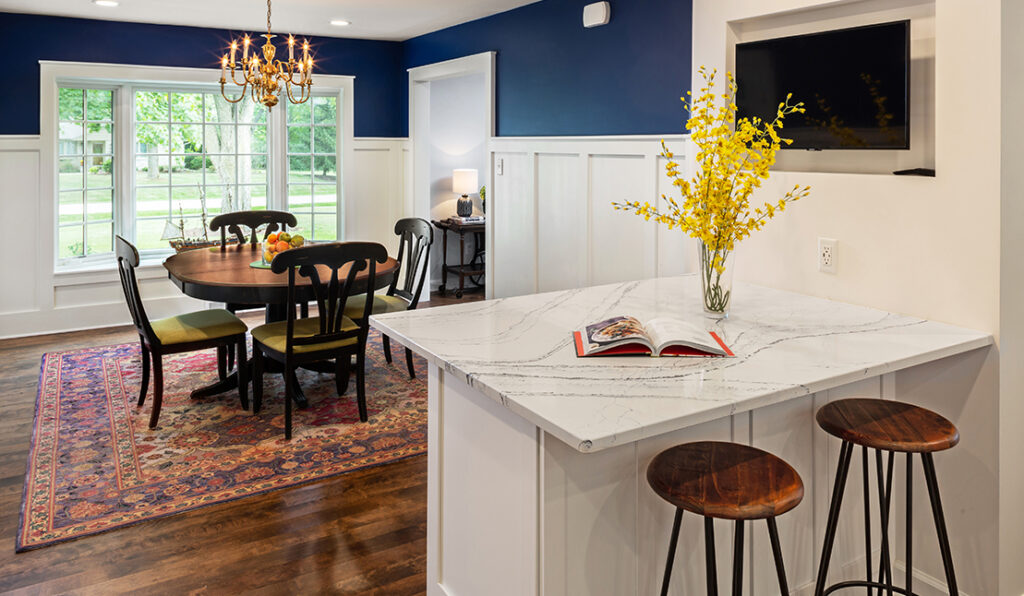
[95, 466]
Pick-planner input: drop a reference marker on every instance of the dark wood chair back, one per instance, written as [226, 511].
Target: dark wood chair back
[127, 261]
[233, 222]
[331, 269]
[413, 257]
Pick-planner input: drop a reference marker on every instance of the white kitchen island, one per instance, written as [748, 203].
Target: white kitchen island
[537, 458]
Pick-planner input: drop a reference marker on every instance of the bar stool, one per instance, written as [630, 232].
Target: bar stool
[725, 481]
[889, 426]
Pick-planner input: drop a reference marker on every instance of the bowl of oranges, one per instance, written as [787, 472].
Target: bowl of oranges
[278, 243]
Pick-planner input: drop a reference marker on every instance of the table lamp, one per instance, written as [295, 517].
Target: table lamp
[464, 182]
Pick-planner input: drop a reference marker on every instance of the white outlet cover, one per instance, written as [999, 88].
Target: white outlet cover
[827, 255]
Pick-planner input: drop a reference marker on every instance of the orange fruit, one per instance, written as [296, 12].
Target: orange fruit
[272, 239]
[282, 246]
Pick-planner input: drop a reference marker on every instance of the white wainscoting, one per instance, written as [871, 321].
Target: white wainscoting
[36, 301]
[553, 223]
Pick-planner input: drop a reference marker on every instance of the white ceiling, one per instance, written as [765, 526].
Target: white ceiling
[371, 19]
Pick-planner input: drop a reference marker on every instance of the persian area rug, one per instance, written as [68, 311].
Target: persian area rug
[94, 465]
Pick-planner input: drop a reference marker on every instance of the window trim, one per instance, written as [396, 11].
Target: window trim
[56, 73]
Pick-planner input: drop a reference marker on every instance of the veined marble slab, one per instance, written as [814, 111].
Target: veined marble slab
[519, 352]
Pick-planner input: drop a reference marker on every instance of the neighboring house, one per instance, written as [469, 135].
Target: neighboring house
[96, 143]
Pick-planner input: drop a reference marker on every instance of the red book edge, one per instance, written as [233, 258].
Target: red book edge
[631, 349]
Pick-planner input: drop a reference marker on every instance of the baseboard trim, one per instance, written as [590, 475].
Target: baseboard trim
[86, 317]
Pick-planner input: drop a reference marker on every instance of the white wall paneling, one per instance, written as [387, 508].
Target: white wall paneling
[378, 197]
[45, 302]
[554, 224]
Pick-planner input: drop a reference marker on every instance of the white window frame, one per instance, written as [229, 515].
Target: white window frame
[56, 74]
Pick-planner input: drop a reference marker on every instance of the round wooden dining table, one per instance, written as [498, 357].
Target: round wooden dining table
[227, 276]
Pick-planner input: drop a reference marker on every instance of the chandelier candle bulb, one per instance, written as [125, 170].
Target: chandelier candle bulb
[291, 48]
[234, 46]
[245, 49]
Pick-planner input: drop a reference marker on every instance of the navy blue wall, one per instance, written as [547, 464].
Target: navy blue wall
[553, 76]
[556, 78]
[380, 89]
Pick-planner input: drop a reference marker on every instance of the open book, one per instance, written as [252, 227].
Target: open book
[619, 336]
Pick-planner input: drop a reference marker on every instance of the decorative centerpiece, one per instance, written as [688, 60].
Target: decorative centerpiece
[278, 243]
[733, 159]
[182, 239]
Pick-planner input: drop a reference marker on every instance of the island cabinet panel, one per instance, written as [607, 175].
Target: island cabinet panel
[514, 510]
[483, 494]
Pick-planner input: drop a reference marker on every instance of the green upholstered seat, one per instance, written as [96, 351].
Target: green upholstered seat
[381, 304]
[197, 326]
[275, 335]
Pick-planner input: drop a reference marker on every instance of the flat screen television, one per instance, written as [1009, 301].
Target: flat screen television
[855, 84]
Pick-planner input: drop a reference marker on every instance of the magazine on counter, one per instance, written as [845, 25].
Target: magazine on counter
[662, 336]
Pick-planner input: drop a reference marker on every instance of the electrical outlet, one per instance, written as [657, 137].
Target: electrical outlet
[827, 255]
[499, 166]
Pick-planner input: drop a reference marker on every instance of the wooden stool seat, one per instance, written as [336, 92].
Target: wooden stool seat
[725, 480]
[888, 425]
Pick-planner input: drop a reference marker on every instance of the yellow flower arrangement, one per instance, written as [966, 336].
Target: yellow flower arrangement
[733, 161]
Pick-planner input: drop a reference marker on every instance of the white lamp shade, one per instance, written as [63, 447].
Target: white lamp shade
[464, 182]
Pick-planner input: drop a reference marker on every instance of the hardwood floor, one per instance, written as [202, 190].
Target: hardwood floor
[360, 533]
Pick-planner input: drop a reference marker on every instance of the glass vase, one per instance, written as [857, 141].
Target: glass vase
[715, 269]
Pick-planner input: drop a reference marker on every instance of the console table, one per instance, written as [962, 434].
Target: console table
[476, 267]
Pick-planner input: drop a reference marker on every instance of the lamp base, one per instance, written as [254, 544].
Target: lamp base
[464, 208]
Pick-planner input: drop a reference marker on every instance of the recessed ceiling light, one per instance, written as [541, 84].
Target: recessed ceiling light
[340, 23]
[106, 3]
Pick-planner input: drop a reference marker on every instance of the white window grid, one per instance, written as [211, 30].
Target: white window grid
[310, 213]
[92, 231]
[176, 155]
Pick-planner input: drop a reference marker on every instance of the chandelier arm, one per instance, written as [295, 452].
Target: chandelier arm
[228, 99]
[291, 96]
[235, 80]
[291, 72]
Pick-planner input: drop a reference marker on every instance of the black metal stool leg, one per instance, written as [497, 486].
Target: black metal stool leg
[780, 569]
[737, 560]
[671, 551]
[884, 497]
[867, 514]
[709, 556]
[833, 516]
[940, 522]
[910, 523]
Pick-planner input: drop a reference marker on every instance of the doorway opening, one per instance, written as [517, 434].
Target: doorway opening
[451, 122]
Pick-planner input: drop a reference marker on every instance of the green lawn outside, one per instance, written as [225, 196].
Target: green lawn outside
[314, 193]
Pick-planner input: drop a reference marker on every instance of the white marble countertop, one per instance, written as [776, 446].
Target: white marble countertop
[519, 352]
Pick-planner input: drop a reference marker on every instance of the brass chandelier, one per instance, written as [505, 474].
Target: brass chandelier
[265, 80]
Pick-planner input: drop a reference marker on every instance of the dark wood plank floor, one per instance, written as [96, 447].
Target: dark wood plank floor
[360, 533]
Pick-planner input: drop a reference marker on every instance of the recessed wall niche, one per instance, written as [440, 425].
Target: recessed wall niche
[922, 80]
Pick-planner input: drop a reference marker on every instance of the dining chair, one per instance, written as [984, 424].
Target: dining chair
[189, 332]
[416, 237]
[331, 269]
[233, 223]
